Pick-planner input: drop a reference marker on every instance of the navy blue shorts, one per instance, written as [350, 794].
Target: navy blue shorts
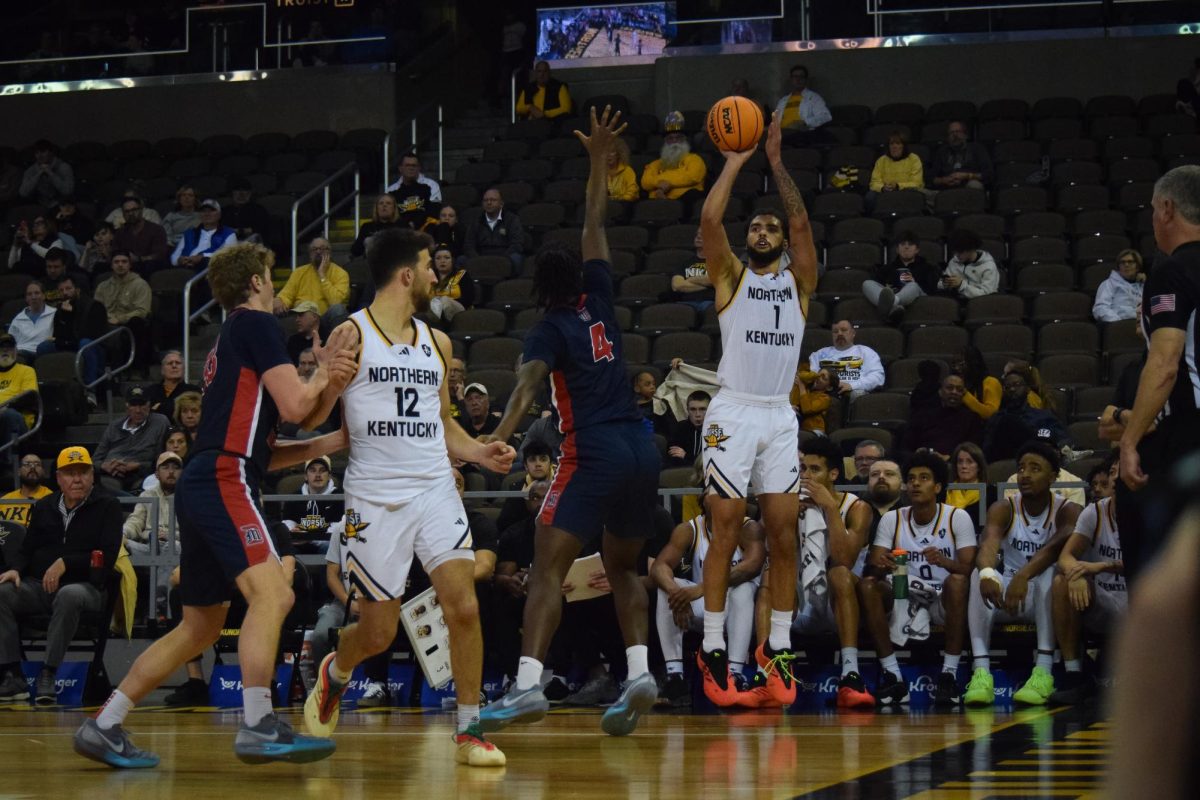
[222, 530]
[607, 478]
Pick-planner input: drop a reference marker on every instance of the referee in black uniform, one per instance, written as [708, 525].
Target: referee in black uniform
[1164, 425]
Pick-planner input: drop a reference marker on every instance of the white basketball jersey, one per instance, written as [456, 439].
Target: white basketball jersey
[761, 331]
[1027, 535]
[393, 411]
[949, 531]
[701, 538]
[1098, 524]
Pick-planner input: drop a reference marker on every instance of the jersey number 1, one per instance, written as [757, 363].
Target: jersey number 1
[602, 348]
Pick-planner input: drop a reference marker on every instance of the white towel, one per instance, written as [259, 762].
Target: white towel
[910, 617]
[671, 395]
[814, 553]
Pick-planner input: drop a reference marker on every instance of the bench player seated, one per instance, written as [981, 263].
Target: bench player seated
[1021, 542]
[681, 600]
[941, 547]
[832, 532]
[1089, 590]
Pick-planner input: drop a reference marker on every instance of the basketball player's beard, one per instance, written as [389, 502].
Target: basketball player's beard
[422, 298]
[766, 259]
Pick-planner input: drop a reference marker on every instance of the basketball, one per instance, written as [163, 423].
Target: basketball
[735, 124]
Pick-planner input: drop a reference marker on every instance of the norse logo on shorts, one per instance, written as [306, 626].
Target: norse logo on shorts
[251, 535]
[714, 437]
[354, 527]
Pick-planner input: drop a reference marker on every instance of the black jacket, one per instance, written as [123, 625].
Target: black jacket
[96, 525]
[924, 273]
[87, 319]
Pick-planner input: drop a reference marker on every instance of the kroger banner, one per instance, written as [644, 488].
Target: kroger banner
[72, 675]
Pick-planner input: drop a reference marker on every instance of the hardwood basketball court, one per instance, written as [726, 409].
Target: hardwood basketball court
[407, 753]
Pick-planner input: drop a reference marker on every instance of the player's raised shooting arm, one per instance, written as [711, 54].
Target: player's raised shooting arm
[604, 133]
[800, 236]
[999, 517]
[530, 378]
[722, 264]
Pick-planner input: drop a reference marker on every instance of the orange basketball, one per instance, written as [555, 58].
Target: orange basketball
[735, 123]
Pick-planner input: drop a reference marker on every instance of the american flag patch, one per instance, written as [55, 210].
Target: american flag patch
[1162, 303]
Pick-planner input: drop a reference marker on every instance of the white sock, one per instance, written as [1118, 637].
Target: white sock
[467, 716]
[889, 663]
[1045, 660]
[950, 662]
[781, 630]
[714, 631]
[637, 657]
[256, 704]
[981, 662]
[529, 671]
[674, 667]
[337, 673]
[850, 660]
[115, 710]
[1074, 665]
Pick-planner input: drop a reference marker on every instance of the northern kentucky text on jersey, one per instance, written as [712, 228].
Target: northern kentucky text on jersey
[421, 377]
[783, 295]
[400, 427]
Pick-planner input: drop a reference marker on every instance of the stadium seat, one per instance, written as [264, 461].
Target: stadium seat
[994, 309]
[1090, 401]
[668, 262]
[837, 205]
[642, 290]
[1061, 306]
[887, 410]
[1008, 340]
[498, 352]
[858, 310]
[850, 255]
[693, 347]
[628, 237]
[904, 203]
[848, 438]
[929, 310]
[936, 341]
[657, 213]
[314, 142]
[505, 150]
[1123, 337]
[1072, 149]
[887, 342]
[540, 217]
[1099, 247]
[499, 382]
[925, 227]
[985, 225]
[1019, 199]
[1060, 338]
[837, 284]
[477, 323]
[661, 318]
[903, 374]
[676, 237]
[636, 348]
[533, 171]
[1070, 370]
[514, 294]
[853, 116]
[1074, 173]
[1009, 108]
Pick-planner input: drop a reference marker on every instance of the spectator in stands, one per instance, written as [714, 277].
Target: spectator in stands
[480, 419]
[971, 272]
[692, 283]
[71, 223]
[98, 251]
[645, 384]
[812, 396]
[494, 232]
[127, 299]
[802, 111]
[942, 428]
[314, 518]
[414, 197]
[858, 367]
[308, 325]
[78, 321]
[1121, 293]
[146, 241]
[199, 243]
[384, 216]
[306, 364]
[983, 392]
[622, 182]
[899, 283]
[320, 281]
[248, 218]
[34, 323]
[408, 170]
[454, 290]
[687, 435]
[116, 217]
[127, 451]
[176, 441]
[52, 573]
[49, 178]
[866, 453]
[959, 162]
[136, 530]
[1039, 395]
[57, 268]
[162, 395]
[15, 379]
[183, 216]
[970, 466]
[1018, 422]
[30, 474]
[545, 97]
[885, 489]
[677, 173]
[538, 462]
[187, 412]
[30, 245]
[898, 168]
[448, 232]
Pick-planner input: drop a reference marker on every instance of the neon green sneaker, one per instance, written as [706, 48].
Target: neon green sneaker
[981, 691]
[1037, 689]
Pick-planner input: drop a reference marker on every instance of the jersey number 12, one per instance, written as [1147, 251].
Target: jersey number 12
[602, 348]
[410, 396]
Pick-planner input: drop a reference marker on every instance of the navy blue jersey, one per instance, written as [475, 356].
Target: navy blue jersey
[237, 414]
[582, 348]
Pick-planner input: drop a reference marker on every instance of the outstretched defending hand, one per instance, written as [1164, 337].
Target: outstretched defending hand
[497, 457]
[605, 131]
[774, 144]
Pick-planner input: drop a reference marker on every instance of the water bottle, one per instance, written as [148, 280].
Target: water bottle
[900, 576]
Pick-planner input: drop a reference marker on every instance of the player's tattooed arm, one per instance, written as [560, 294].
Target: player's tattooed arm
[800, 236]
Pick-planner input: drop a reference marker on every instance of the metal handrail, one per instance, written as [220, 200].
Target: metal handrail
[189, 316]
[414, 138]
[512, 91]
[387, 149]
[323, 187]
[108, 371]
[11, 444]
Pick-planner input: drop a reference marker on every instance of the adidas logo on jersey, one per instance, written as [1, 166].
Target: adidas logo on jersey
[459, 521]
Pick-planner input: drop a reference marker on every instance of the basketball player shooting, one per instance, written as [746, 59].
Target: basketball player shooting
[750, 432]
[400, 494]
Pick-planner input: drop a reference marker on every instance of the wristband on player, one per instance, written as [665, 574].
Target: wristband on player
[989, 574]
[1116, 415]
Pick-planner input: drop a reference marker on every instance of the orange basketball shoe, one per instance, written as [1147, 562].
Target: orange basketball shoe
[718, 683]
[777, 664]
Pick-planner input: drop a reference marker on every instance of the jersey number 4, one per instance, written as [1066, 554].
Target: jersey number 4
[602, 348]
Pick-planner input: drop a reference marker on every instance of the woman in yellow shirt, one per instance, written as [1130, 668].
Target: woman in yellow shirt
[455, 290]
[895, 170]
[622, 182]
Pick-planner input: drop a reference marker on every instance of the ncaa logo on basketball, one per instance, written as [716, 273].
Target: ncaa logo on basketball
[727, 120]
[251, 535]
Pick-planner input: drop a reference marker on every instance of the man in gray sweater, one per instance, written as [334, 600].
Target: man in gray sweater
[126, 452]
